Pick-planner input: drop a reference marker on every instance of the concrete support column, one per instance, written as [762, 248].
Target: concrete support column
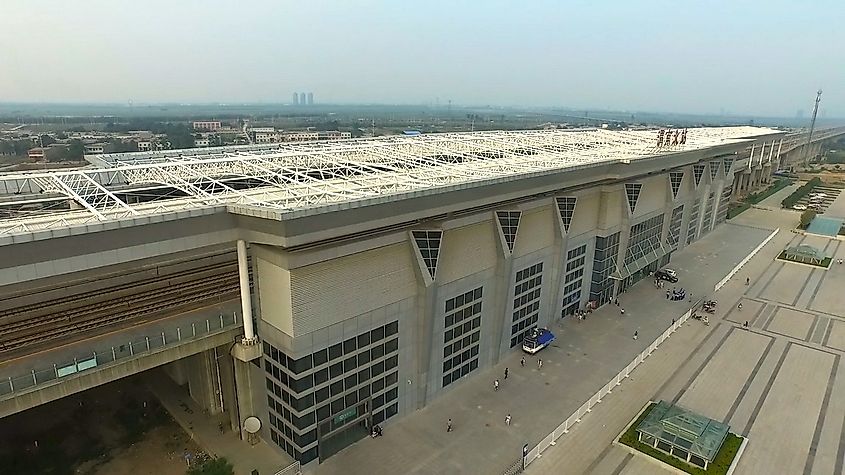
[204, 381]
[246, 300]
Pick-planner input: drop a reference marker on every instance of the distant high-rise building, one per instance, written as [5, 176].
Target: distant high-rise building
[295, 99]
[302, 99]
[310, 98]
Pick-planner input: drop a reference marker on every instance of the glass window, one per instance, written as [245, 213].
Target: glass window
[392, 394]
[391, 378]
[378, 401]
[351, 399]
[300, 385]
[337, 405]
[349, 364]
[364, 393]
[350, 381]
[321, 357]
[391, 346]
[321, 376]
[363, 358]
[363, 340]
[323, 412]
[321, 394]
[336, 370]
[337, 388]
[391, 328]
[378, 385]
[378, 368]
[304, 421]
[377, 334]
[391, 362]
[349, 346]
[335, 351]
[302, 364]
[363, 375]
[377, 352]
[302, 403]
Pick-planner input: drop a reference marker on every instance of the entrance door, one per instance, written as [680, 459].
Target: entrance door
[342, 439]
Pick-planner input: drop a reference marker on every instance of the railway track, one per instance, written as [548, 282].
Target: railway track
[157, 297]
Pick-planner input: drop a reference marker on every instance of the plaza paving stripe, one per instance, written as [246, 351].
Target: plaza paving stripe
[808, 466]
[766, 390]
[703, 364]
[748, 381]
[622, 464]
[812, 328]
[782, 432]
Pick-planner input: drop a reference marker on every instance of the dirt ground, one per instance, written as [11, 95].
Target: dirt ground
[114, 429]
[160, 452]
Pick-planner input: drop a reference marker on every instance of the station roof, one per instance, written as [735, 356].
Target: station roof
[286, 178]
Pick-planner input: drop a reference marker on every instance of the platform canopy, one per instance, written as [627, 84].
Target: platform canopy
[806, 254]
[678, 427]
[288, 177]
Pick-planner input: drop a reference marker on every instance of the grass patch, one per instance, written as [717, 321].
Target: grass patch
[801, 192]
[720, 464]
[824, 265]
[755, 198]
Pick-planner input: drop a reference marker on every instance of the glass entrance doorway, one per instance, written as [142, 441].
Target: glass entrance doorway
[343, 429]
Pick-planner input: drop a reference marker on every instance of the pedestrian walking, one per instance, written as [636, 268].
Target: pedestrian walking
[616, 302]
[667, 295]
[739, 307]
[508, 420]
[506, 373]
[539, 364]
[449, 425]
[496, 385]
[522, 362]
[745, 325]
[636, 334]
[747, 280]
[622, 311]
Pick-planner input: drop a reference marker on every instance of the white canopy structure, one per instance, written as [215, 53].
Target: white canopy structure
[288, 177]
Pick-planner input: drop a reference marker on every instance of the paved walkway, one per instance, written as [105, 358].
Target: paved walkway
[588, 354]
[783, 372]
[205, 430]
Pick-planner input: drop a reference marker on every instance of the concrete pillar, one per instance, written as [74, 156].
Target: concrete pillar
[246, 299]
[204, 381]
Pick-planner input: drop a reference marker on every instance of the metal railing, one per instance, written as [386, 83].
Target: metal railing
[596, 398]
[744, 261]
[292, 469]
[168, 337]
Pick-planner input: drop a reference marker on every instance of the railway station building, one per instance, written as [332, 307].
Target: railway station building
[377, 274]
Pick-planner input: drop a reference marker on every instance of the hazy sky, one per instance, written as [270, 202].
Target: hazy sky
[764, 57]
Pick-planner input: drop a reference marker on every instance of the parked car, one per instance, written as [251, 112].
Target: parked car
[799, 207]
[663, 275]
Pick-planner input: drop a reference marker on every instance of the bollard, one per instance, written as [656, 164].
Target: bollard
[147, 339]
[131, 352]
[178, 333]
[163, 339]
[75, 365]
[193, 329]
[113, 354]
[56, 371]
[208, 325]
[221, 321]
[11, 385]
[34, 379]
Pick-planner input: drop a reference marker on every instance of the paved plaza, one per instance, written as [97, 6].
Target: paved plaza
[778, 383]
[586, 355]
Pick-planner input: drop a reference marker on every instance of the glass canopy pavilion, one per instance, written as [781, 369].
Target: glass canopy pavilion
[683, 434]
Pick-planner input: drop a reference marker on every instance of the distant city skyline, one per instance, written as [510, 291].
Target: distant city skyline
[757, 58]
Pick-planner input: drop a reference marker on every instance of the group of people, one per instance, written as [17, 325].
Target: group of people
[676, 294]
[659, 283]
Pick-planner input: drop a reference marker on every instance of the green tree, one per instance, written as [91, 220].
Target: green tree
[75, 150]
[219, 466]
[806, 218]
[47, 140]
